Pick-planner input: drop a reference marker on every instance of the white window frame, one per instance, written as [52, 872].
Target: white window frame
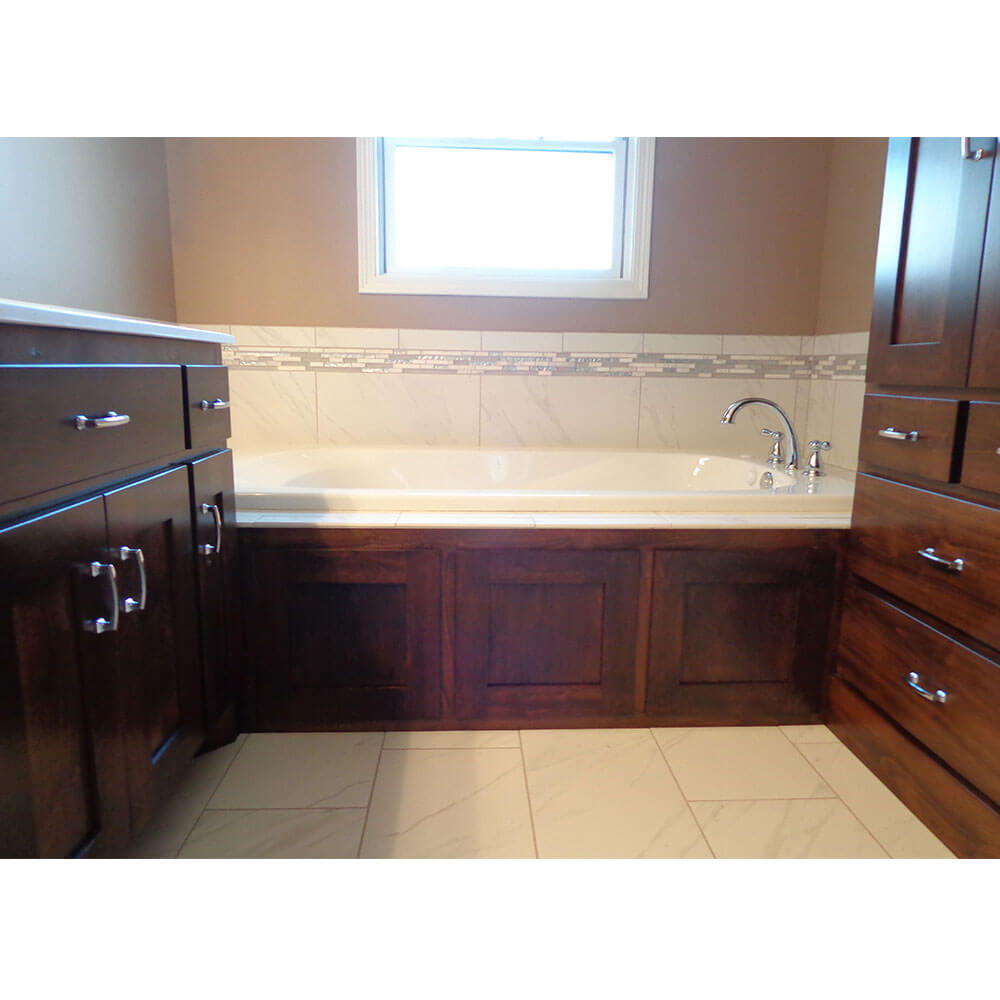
[629, 279]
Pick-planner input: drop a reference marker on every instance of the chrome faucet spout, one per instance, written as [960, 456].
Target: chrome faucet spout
[793, 443]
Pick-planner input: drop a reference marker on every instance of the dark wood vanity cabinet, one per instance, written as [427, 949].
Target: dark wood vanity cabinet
[108, 604]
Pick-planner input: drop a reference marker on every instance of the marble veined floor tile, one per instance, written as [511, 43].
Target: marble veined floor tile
[606, 794]
[452, 739]
[300, 770]
[895, 827]
[739, 762]
[276, 833]
[449, 804]
[785, 828]
[809, 734]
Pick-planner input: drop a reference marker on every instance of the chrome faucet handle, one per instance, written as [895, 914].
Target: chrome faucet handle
[777, 455]
[815, 466]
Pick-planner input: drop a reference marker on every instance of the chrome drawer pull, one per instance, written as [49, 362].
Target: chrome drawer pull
[948, 565]
[939, 696]
[893, 435]
[130, 604]
[215, 404]
[967, 153]
[207, 550]
[110, 419]
[99, 625]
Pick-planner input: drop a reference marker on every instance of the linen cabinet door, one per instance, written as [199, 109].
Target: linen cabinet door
[62, 778]
[546, 636]
[344, 636]
[927, 268]
[216, 559]
[984, 372]
[739, 636]
[149, 531]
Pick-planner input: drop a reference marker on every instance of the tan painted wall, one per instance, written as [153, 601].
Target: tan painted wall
[265, 232]
[85, 223]
[847, 275]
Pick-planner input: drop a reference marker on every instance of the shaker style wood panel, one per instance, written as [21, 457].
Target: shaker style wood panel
[545, 633]
[984, 372]
[883, 647]
[62, 777]
[925, 445]
[207, 398]
[343, 636]
[927, 267]
[981, 460]
[739, 632]
[156, 646]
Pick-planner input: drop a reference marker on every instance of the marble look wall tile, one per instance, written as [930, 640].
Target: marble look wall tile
[753, 345]
[819, 415]
[603, 343]
[214, 327]
[495, 340]
[853, 343]
[442, 340]
[606, 794]
[271, 409]
[274, 336]
[449, 804]
[353, 336]
[846, 431]
[822, 343]
[394, 409]
[785, 829]
[680, 343]
[276, 833]
[569, 412]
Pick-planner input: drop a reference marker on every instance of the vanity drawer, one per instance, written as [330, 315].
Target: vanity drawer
[910, 434]
[887, 654]
[892, 524]
[207, 406]
[39, 407]
[981, 463]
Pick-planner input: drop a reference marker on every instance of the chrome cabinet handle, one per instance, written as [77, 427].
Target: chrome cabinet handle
[207, 550]
[967, 153]
[110, 419]
[130, 604]
[948, 565]
[939, 696]
[894, 435]
[215, 404]
[99, 625]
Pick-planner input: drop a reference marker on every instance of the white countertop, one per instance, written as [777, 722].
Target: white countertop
[36, 314]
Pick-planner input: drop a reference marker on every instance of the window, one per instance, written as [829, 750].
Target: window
[517, 217]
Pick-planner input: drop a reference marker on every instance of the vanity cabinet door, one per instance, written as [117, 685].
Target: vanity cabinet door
[156, 645]
[214, 515]
[62, 777]
[927, 268]
[739, 636]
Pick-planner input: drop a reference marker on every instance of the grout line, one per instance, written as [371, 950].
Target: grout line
[316, 403]
[371, 795]
[638, 416]
[479, 412]
[687, 801]
[527, 793]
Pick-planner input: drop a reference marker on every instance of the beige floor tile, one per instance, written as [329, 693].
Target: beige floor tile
[894, 826]
[809, 734]
[789, 828]
[606, 794]
[300, 770]
[276, 833]
[749, 762]
[173, 822]
[449, 804]
[449, 739]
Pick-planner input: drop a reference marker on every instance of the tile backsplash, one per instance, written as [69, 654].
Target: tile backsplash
[329, 385]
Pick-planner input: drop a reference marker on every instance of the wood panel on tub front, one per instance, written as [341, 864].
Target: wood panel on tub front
[505, 628]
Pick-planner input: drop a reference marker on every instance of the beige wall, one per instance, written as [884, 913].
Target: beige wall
[854, 203]
[85, 223]
[265, 232]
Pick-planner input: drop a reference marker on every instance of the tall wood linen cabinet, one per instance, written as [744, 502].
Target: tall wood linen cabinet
[916, 690]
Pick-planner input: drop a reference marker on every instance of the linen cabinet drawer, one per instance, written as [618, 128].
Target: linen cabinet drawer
[207, 406]
[938, 553]
[943, 693]
[910, 434]
[66, 423]
[981, 463]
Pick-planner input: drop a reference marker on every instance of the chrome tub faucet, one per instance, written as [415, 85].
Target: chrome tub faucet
[777, 453]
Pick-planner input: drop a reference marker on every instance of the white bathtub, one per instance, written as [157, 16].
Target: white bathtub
[554, 480]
